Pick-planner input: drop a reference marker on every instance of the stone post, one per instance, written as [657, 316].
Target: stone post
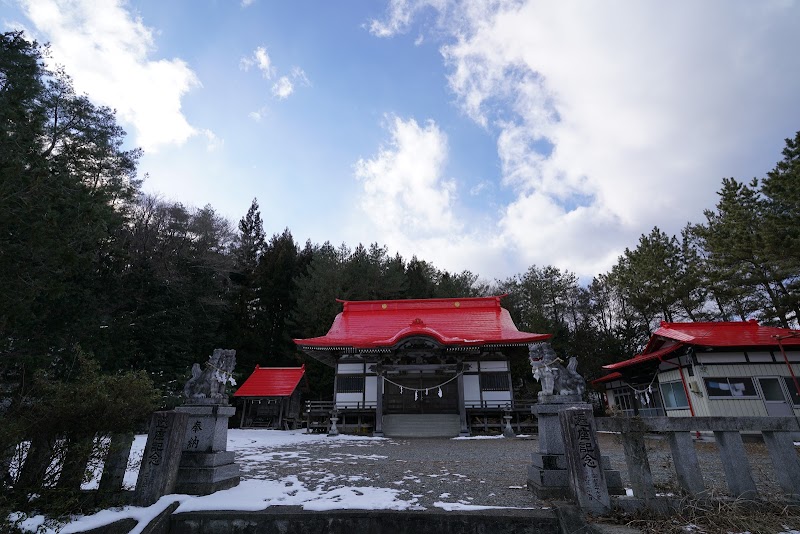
[162, 454]
[734, 463]
[119, 450]
[687, 468]
[547, 474]
[784, 460]
[586, 478]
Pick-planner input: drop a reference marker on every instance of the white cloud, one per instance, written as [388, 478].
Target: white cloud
[259, 59]
[299, 76]
[404, 192]
[400, 15]
[612, 118]
[247, 3]
[108, 51]
[283, 88]
[213, 142]
[258, 114]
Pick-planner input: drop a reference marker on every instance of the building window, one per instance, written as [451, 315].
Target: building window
[623, 399]
[792, 390]
[495, 382]
[349, 384]
[732, 387]
[674, 395]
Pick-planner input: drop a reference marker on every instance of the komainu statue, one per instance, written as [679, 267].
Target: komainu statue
[207, 386]
[552, 375]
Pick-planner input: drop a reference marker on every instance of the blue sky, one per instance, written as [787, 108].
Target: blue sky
[488, 136]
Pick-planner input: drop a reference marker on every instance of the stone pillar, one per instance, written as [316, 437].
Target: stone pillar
[687, 468]
[378, 431]
[119, 450]
[734, 463]
[79, 451]
[206, 465]
[784, 460]
[586, 477]
[462, 408]
[162, 455]
[638, 466]
[547, 474]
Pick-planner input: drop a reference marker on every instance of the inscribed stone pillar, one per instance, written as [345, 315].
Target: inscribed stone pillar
[162, 455]
[584, 465]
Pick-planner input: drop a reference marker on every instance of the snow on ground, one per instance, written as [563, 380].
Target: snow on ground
[257, 491]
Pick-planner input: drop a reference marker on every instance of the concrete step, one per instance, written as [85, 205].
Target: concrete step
[421, 425]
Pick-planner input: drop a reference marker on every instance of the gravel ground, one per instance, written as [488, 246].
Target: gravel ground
[488, 472]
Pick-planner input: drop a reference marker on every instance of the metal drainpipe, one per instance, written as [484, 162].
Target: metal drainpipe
[786, 359]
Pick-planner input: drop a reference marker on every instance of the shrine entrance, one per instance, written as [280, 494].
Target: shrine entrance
[420, 394]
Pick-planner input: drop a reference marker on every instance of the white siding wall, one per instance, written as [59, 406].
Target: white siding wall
[495, 399]
[349, 368]
[472, 389]
[728, 407]
[348, 399]
[494, 366]
[371, 389]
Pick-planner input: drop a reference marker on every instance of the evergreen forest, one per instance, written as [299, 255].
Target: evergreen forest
[99, 279]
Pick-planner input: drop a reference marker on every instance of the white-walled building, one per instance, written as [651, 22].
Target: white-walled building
[709, 369]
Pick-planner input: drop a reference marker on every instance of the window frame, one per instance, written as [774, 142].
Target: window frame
[501, 377]
[672, 385]
[728, 379]
[354, 381]
[794, 396]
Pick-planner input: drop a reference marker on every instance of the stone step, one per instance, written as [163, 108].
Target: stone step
[421, 425]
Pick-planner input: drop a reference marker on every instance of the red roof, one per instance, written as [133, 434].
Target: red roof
[608, 378]
[645, 357]
[453, 321]
[671, 336]
[271, 382]
[722, 334]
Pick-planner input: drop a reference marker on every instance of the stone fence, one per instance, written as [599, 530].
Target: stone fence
[776, 431]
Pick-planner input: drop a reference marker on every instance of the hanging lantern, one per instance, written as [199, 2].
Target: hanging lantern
[416, 395]
[440, 392]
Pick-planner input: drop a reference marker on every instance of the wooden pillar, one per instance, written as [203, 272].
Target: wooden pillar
[462, 409]
[379, 408]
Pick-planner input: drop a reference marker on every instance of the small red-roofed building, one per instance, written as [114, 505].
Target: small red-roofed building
[270, 397]
[709, 369]
[423, 360]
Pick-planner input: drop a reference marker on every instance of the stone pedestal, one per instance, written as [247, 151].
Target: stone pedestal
[206, 465]
[547, 475]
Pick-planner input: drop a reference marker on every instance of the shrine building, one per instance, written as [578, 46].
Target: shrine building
[418, 366]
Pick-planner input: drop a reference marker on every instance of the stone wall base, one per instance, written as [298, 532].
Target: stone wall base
[205, 473]
[548, 477]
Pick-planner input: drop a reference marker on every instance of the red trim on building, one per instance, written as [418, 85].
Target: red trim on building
[452, 322]
[271, 382]
[669, 337]
[641, 358]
